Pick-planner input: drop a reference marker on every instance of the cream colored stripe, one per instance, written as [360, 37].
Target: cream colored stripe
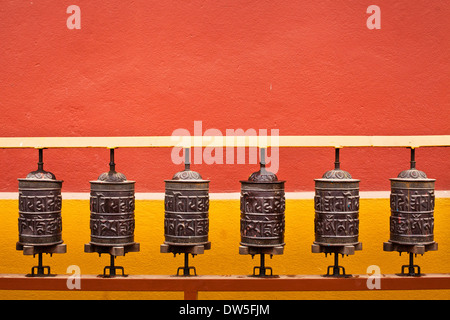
[225, 141]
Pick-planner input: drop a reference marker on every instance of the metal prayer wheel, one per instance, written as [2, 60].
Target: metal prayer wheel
[412, 208]
[412, 215]
[186, 205]
[112, 209]
[40, 222]
[262, 216]
[262, 210]
[112, 217]
[336, 220]
[186, 215]
[336, 204]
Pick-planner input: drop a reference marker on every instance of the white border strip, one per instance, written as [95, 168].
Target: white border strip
[305, 195]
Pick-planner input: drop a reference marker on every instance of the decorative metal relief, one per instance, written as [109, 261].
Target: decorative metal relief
[336, 213]
[177, 201]
[40, 220]
[112, 214]
[412, 220]
[186, 205]
[186, 214]
[262, 217]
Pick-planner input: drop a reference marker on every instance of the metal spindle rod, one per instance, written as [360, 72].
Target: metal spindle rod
[112, 165]
[186, 264]
[41, 161]
[112, 271]
[263, 264]
[336, 263]
[337, 164]
[413, 158]
[411, 263]
[187, 159]
[40, 261]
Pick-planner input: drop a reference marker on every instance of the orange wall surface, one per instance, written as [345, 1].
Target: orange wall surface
[150, 67]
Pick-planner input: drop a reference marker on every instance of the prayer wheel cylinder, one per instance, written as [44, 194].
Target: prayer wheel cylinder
[186, 204]
[336, 205]
[112, 200]
[412, 208]
[40, 222]
[262, 210]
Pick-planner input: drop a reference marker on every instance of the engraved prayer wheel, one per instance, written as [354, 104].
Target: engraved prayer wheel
[186, 204]
[262, 210]
[40, 222]
[336, 205]
[412, 207]
[112, 199]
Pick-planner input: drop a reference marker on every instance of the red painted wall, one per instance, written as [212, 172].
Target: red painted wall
[150, 67]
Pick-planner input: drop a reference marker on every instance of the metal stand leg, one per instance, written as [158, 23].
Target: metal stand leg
[336, 268]
[186, 269]
[40, 269]
[411, 267]
[112, 269]
[262, 268]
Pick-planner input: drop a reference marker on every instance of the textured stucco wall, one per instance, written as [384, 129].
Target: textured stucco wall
[150, 67]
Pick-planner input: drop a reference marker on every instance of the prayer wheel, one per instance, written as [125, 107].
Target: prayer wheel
[336, 220]
[262, 216]
[412, 208]
[262, 210]
[186, 203]
[40, 222]
[112, 209]
[412, 215]
[336, 203]
[112, 219]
